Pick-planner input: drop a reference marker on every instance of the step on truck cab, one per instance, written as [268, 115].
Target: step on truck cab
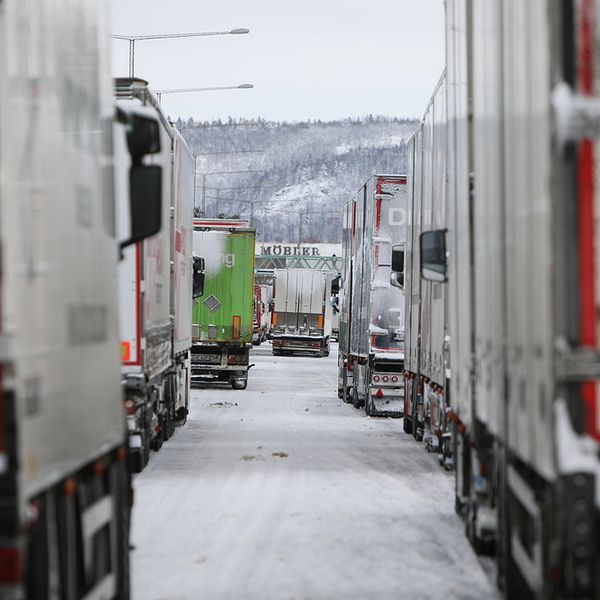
[222, 316]
[64, 483]
[302, 313]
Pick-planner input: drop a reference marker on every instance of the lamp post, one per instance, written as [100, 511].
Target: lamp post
[242, 86]
[132, 39]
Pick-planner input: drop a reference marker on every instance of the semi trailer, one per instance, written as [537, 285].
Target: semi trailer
[155, 294]
[513, 256]
[263, 310]
[302, 313]
[371, 345]
[222, 323]
[65, 494]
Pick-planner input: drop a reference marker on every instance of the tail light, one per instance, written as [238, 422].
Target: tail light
[395, 379]
[11, 566]
[129, 406]
[316, 345]
[376, 378]
[385, 379]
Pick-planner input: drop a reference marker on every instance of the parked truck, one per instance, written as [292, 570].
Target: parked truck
[155, 292]
[516, 259]
[263, 310]
[64, 484]
[222, 317]
[426, 352]
[371, 348]
[302, 313]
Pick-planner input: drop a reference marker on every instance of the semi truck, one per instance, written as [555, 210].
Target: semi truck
[302, 312]
[222, 317]
[513, 254]
[65, 492]
[263, 310]
[371, 347]
[155, 295]
[426, 352]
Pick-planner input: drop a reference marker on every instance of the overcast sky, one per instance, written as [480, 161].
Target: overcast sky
[308, 59]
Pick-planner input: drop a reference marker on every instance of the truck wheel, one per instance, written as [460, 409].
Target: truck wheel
[239, 384]
[407, 425]
[368, 404]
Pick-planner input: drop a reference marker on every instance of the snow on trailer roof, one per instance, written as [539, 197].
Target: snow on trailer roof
[222, 224]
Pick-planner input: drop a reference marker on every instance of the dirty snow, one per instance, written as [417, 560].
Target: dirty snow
[291, 494]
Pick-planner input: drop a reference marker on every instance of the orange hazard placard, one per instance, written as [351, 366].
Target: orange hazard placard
[125, 351]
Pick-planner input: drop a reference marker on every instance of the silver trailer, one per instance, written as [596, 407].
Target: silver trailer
[302, 312]
[372, 319]
[522, 353]
[155, 292]
[345, 365]
[64, 482]
[426, 367]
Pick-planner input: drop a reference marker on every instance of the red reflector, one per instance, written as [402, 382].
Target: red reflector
[11, 570]
[130, 407]
[350, 367]
[379, 393]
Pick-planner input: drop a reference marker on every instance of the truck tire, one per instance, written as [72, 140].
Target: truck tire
[407, 425]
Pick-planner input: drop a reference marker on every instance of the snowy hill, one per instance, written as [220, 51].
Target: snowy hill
[291, 179]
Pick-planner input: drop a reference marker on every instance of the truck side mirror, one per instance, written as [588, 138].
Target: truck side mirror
[432, 245]
[143, 136]
[145, 181]
[145, 198]
[397, 274]
[198, 277]
[335, 284]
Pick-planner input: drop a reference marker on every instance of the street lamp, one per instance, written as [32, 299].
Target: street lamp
[132, 39]
[242, 86]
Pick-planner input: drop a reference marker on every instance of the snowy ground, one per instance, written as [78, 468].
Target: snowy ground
[284, 492]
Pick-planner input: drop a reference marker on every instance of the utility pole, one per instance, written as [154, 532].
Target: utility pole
[203, 194]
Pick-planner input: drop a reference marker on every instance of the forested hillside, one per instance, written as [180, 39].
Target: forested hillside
[291, 179]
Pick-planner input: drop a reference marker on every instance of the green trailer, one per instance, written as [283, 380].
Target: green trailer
[222, 315]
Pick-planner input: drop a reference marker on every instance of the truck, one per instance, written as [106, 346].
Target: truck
[65, 493]
[155, 295]
[263, 309]
[222, 323]
[515, 259]
[426, 352]
[371, 348]
[302, 312]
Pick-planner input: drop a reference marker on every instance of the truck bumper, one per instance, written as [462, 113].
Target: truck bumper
[299, 344]
[386, 401]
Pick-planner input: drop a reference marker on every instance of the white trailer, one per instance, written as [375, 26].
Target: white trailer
[426, 368]
[372, 320]
[522, 213]
[155, 290]
[302, 313]
[64, 483]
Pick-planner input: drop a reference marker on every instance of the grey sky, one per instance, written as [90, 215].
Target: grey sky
[317, 59]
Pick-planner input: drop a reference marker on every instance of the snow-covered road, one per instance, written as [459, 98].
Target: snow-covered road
[284, 492]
